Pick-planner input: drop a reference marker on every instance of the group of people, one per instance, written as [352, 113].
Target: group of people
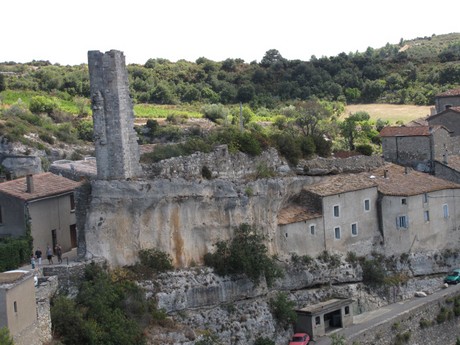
[36, 258]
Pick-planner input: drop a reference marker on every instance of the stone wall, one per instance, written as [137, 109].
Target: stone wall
[417, 325]
[328, 166]
[220, 162]
[40, 331]
[115, 140]
[183, 218]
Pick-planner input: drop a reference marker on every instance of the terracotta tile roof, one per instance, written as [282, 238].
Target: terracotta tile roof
[400, 131]
[46, 184]
[297, 213]
[398, 183]
[342, 183]
[453, 92]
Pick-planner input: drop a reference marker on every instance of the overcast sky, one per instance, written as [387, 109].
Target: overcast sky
[62, 31]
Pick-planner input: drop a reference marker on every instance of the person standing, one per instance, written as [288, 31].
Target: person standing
[38, 256]
[58, 250]
[49, 254]
[32, 261]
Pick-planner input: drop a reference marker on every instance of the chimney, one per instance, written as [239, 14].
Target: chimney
[385, 173]
[30, 183]
[406, 170]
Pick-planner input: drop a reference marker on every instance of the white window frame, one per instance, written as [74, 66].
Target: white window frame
[367, 205]
[445, 210]
[426, 216]
[355, 226]
[338, 231]
[425, 198]
[334, 208]
[402, 222]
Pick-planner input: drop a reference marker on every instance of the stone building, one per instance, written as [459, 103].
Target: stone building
[394, 207]
[417, 146]
[446, 100]
[18, 310]
[45, 202]
[117, 151]
[338, 214]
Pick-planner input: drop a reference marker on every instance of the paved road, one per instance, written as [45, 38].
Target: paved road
[365, 321]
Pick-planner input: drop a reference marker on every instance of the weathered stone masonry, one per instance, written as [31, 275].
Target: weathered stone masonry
[117, 151]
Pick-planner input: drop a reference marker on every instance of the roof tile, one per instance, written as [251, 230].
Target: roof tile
[46, 184]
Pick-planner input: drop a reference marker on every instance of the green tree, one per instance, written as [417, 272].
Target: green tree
[308, 115]
[42, 104]
[2, 83]
[5, 338]
[104, 312]
[245, 254]
[351, 127]
[283, 309]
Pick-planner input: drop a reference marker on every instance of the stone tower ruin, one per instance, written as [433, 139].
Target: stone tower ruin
[117, 151]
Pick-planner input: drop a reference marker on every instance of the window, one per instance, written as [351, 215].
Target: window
[347, 310]
[337, 233]
[72, 202]
[15, 306]
[318, 320]
[445, 210]
[312, 229]
[367, 205]
[336, 211]
[425, 198]
[426, 216]
[354, 229]
[403, 201]
[402, 222]
[285, 234]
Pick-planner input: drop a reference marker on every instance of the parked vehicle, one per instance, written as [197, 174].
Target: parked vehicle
[300, 339]
[453, 277]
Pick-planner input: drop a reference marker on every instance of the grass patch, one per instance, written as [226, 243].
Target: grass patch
[163, 111]
[390, 112]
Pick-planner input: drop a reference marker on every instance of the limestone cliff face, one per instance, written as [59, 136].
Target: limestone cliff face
[180, 217]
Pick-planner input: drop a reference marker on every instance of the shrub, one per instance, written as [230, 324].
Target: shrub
[263, 171]
[14, 252]
[283, 309]
[42, 104]
[424, 323]
[373, 272]
[214, 112]
[264, 341]
[365, 149]
[245, 254]
[103, 312]
[332, 260]
[85, 130]
[5, 338]
[46, 137]
[155, 259]
[206, 172]
[338, 339]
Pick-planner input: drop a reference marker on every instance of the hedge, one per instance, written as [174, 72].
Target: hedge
[14, 252]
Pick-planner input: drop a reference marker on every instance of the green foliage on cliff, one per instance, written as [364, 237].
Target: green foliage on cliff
[5, 338]
[104, 312]
[283, 310]
[246, 254]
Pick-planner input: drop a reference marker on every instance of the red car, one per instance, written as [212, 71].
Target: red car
[300, 339]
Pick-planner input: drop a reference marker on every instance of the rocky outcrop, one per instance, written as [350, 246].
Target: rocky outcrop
[183, 218]
[333, 166]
